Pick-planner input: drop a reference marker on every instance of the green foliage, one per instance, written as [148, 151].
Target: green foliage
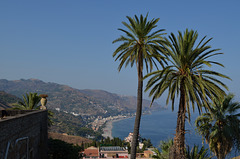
[147, 143]
[50, 118]
[66, 123]
[59, 149]
[85, 132]
[110, 142]
[72, 125]
[140, 46]
[139, 39]
[165, 147]
[220, 127]
[195, 153]
[186, 70]
[30, 102]
[186, 79]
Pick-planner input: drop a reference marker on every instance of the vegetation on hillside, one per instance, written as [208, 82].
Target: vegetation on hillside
[6, 100]
[72, 125]
[84, 102]
[63, 150]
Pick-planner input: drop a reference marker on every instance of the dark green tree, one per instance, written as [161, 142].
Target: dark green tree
[147, 143]
[165, 147]
[58, 149]
[220, 127]
[187, 80]
[139, 46]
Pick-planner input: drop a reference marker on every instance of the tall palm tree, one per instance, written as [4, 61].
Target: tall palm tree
[31, 101]
[139, 46]
[187, 79]
[221, 126]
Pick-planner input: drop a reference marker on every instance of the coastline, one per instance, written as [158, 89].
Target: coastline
[107, 130]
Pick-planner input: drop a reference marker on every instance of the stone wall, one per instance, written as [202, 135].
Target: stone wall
[24, 135]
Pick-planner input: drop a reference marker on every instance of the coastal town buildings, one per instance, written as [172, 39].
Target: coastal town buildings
[129, 137]
[105, 152]
[91, 152]
[113, 152]
[110, 152]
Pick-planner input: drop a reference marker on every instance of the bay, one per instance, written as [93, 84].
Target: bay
[160, 125]
[157, 126]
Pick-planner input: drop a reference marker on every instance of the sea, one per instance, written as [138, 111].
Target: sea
[160, 125]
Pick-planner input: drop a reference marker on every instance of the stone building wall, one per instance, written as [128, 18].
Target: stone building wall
[24, 135]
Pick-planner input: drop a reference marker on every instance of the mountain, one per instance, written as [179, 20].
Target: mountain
[6, 100]
[68, 99]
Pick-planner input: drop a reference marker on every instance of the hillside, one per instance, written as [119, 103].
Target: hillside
[6, 100]
[76, 140]
[83, 102]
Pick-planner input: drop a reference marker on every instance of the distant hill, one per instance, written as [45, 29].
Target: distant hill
[6, 100]
[83, 102]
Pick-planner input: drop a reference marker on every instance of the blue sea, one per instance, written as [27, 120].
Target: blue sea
[157, 126]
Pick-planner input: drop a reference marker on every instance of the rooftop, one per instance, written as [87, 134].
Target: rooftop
[112, 148]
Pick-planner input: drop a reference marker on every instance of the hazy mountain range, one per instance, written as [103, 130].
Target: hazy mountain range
[83, 102]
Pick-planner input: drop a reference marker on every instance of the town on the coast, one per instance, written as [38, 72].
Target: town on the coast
[119, 79]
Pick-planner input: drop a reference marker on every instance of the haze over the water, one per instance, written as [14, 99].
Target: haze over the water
[70, 42]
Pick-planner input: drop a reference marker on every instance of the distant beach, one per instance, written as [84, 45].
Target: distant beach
[107, 130]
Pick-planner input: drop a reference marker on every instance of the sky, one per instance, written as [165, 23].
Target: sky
[70, 42]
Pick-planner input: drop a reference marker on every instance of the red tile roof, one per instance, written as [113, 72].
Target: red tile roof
[91, 152]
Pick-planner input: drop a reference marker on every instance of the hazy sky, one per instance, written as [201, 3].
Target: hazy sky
[70, 42]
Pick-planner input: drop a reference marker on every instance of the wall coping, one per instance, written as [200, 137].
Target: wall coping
[24, 113]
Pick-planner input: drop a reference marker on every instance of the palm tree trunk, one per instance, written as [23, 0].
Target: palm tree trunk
[138, 111]
[220, 154]
[220, 148]
[179, 139]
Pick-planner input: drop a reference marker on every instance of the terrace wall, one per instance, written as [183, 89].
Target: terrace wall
[24, 134]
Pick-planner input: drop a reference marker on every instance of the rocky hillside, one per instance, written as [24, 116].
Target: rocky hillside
[83, 102]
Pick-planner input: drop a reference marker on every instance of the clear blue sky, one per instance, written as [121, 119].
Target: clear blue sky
[70, 42]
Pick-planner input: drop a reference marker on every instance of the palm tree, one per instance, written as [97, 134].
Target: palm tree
[195, 153]
[187, 79]
[221, 126]
[139, 46]
[31, 101]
